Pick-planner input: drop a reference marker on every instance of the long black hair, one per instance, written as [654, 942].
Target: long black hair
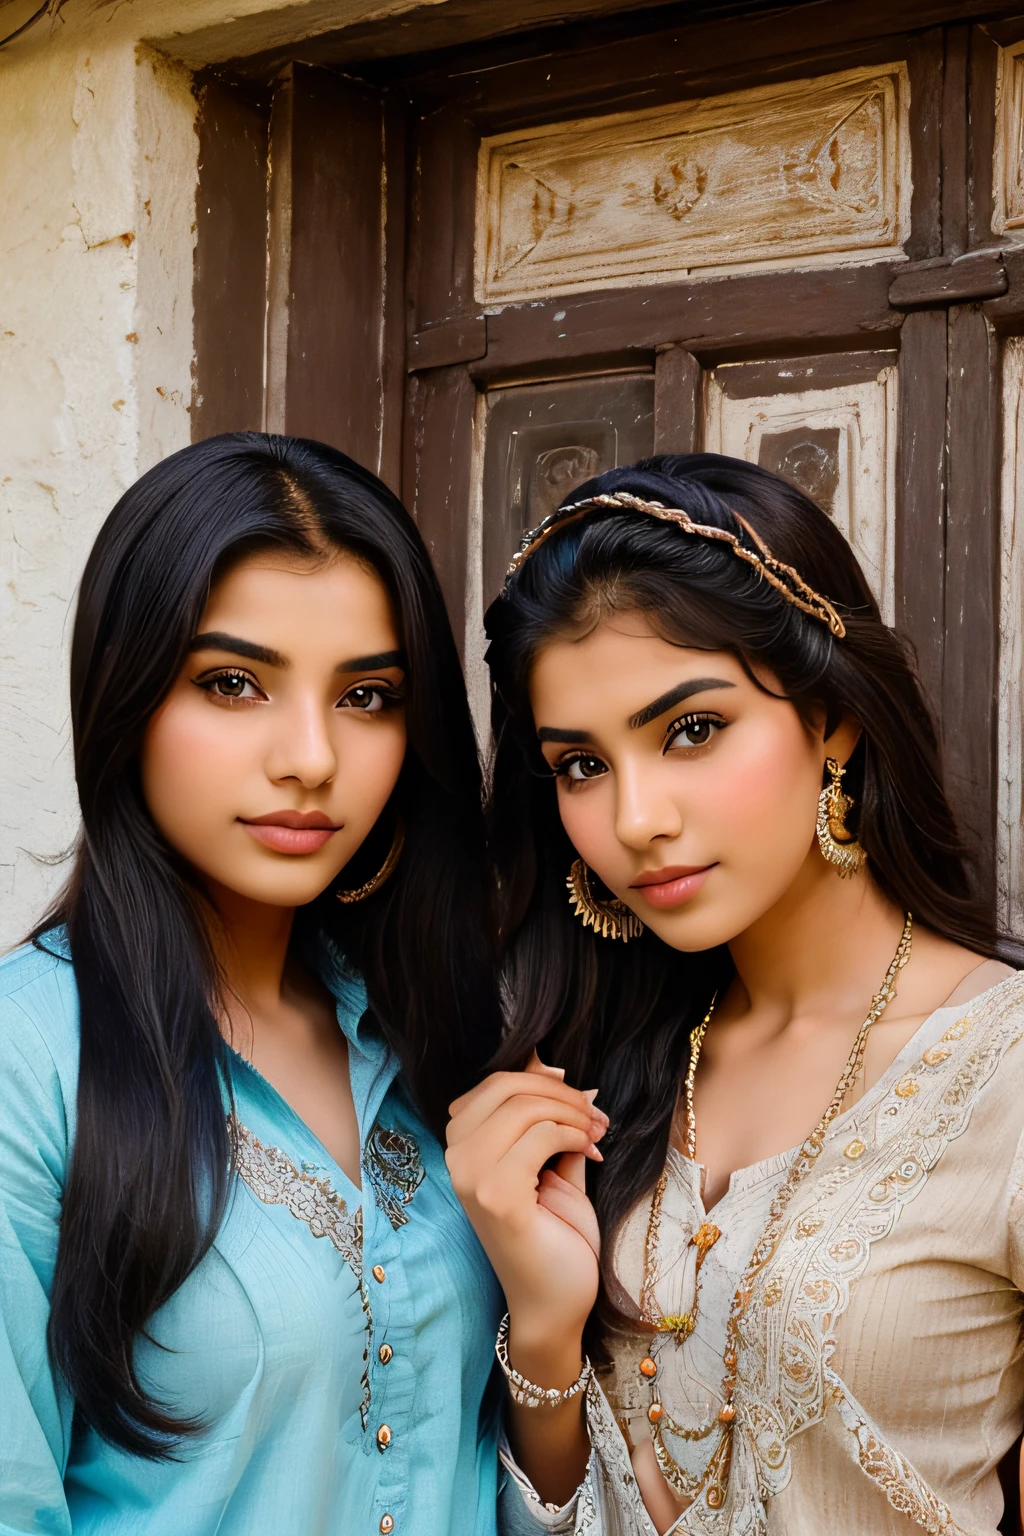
[151, 1164]
[620, 1016]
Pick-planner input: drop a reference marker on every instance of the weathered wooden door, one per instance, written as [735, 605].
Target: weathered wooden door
[793, 256]
[796, 237]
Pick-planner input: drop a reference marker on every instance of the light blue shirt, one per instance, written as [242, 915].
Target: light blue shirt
[337, 1343]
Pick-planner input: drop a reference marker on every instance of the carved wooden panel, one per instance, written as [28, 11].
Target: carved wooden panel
[838, 444]
[534, 444]
[1010, 807]
[806, 171]
[544, 439]
[1008, 167]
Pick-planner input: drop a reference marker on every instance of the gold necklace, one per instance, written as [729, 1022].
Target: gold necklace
[715, 1479]
[704, 1239]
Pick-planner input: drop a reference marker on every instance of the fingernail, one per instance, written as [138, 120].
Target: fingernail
[559, 1070]
[592, 1152]
[590, 1094]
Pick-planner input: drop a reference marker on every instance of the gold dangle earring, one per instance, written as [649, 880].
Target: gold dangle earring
[386, 870]
[611, 919]
[837, 843]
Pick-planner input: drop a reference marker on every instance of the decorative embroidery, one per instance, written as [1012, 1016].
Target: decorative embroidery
[274, 1179]
[392, 1161]
[786, 1383]
[903, 1486]
[607, 1503]
[364, 1380]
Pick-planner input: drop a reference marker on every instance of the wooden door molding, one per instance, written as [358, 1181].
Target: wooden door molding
[300, 264]
[438, 475]
[971, 599]
[230, 271]
[921, 495]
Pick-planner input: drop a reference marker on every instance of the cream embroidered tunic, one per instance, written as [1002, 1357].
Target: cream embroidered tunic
[881, 1369]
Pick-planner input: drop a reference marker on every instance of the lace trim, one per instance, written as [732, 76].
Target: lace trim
[900, 1482]
[274, 1179]
[395, 1169]
[607, 1502]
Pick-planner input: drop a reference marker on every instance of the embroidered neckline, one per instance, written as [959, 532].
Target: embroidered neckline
[274, 1178]
[885, 1149]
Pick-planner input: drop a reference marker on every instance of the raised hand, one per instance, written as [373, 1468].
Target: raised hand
[541, 1234]
[536, 1225]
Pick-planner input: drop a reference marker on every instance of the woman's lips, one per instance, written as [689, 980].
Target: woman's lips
[291, 831]
[666, 888]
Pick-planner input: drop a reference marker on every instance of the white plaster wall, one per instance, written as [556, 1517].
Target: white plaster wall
[97, 186]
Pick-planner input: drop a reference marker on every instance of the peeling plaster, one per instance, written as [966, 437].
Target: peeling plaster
[95, 313]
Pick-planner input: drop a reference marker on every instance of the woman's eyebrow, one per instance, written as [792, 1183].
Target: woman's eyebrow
[368, 663]
[558, 733]
[675, 695]
[216, 640]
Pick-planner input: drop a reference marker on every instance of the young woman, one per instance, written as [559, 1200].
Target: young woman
[237, 1293]
[770, 963]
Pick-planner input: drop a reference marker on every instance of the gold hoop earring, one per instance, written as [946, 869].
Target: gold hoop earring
[611, 919]
[386, 870]
[837, 843]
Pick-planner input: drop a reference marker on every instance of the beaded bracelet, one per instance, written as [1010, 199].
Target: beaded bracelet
[526, 1393]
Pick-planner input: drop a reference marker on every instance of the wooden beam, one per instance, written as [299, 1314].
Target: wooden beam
[437, 477]
[981, 103]
[447, 342]
[947, 280]
[792, 375]
[971, 640]
[442, 220]
[335, 363]
[921, 494]
[954, 140]
[718, 318]
[230, 269]
[393, 340]
[678, 398]
[279, 255]
[1006, 311]
[925, 61]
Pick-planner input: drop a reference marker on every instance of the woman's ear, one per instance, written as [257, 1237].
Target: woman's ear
[843, 740]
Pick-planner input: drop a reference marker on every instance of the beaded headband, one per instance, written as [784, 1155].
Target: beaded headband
[782, 577]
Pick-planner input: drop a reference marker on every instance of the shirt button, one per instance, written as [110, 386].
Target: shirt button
[387, 1525]
[383, 1437]
[378, 1273]
[385, 1353]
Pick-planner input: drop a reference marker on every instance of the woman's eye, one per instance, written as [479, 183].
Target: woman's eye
[692, 731]
[578, 768]
[369, 699]
[230, 685]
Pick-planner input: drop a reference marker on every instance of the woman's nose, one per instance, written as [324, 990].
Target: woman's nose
[303, 748]
[644, 811]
